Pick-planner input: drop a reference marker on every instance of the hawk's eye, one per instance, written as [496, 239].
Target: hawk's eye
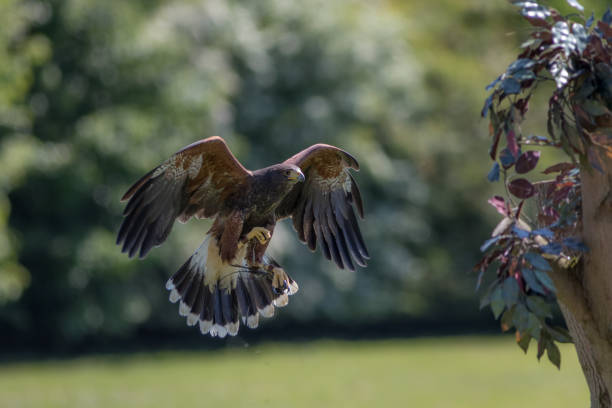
[287, 172]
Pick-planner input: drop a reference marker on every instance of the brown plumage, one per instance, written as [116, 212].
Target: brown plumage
[230, 276]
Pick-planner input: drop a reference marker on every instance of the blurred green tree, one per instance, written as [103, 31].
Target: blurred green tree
[101, 91]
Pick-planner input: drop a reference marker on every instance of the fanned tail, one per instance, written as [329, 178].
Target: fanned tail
[218, 296]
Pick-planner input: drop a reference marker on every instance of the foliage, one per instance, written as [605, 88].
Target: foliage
[575, 54]
[118, 86]
[24, 53]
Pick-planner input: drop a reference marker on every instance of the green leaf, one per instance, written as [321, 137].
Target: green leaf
[506, 319]
[594, 108]
[520, 318]
[506, 158]
[497, 302]
[519, 65]
[523, 341]
[560, 334]
[486, 298]
[585, 90]
[511, 86]
[553, 248]
[537, 261]
[487, 106]
[532, 281]
[533, 326]
[542, 346]
[494, 173]
[539, 306]
[521, 233]
[553, 354]
[510, 291]
[493, 83]
[487, 244]
[524, 75]
[545, 280]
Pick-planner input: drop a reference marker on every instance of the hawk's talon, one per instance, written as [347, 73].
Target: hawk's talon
[279, 282]
[262, 235]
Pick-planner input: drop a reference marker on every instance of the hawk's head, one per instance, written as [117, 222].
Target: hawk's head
[281, 175]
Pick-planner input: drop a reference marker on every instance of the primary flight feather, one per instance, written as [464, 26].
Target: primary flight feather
[230, 278]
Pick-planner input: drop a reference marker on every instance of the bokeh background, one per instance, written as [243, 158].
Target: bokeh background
[94, 93]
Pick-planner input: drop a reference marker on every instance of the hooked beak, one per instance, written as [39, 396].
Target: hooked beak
[297, 176]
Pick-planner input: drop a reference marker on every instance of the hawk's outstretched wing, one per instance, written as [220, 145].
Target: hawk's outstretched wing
[196, 180]
[322, 206]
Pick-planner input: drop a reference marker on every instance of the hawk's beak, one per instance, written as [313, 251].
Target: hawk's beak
[297, 176]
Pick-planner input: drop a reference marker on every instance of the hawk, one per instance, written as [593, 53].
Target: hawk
[230, 278]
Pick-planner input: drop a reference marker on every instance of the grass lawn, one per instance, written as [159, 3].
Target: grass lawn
[427, 372]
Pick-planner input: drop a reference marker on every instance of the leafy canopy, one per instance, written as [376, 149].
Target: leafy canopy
[575, 54]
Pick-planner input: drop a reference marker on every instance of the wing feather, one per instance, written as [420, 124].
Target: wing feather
[322, 240]
[339, 238]
[355, 228]
[197, 180]
[323, 208]
[308, 226]
[355, 196]
[298, 220]
[242, 297]
[218, 312]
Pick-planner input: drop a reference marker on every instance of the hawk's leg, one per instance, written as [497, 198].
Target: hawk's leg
[282, 284]
[256, 240]
[262, 235]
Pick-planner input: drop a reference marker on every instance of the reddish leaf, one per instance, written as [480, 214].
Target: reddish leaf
[486, 261]
[597, 46]
[521, 188]
[561, 194]
[500, 204]
[549, 215]
[559, 167]
[493, 150]
[512, 145]
[605, 28]
[543, 35]
[520, 281]
[538, 22]
[527, 161]
[523, 104]
[519, 209]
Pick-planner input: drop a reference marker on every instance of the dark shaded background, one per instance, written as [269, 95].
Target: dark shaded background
[95, 93]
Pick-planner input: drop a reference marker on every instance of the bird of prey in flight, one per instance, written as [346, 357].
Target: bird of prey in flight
[230, 278]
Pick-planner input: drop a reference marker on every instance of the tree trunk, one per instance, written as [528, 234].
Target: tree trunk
[585, 291]
[600, 397]
[597, 269]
